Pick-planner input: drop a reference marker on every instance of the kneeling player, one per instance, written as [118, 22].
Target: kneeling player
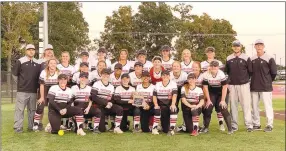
[164, 98]
[123, 97]
[102, 94]
[60, 100]
[81, 95]
[193, 99]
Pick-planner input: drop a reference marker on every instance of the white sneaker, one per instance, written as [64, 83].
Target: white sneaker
[48, 128]
[80, 132]
[155, 131]
[159, 128]
[117, 130]
[36, 128]
[221, 127]
[63, 127]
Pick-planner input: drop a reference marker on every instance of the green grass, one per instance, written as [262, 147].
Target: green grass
[214, 140]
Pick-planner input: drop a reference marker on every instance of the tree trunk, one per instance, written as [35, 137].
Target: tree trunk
[9, 80]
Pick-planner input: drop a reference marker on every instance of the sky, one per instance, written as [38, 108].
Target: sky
[251, 21]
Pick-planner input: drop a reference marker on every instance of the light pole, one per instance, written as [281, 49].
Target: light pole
[46, 39]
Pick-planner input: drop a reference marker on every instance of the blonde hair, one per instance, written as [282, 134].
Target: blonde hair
[66, 52]
[47, 69]
[182, 55]
[43, 55]
[177, 63]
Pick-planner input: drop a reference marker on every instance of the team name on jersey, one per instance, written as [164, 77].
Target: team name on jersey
[61, 96]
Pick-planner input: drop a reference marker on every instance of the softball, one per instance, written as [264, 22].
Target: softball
[61, 132]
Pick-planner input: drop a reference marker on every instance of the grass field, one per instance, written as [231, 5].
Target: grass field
[214, 140]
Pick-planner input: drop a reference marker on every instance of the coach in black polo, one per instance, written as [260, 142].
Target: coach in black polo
[26, 72]
[264, 72]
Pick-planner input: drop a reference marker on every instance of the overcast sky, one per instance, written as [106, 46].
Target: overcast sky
[264, 20]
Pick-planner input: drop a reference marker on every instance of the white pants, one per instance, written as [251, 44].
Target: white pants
[267, 101]
[240, 94]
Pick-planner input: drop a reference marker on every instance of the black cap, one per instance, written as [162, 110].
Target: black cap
[83, 64]
[83, 74]
[236, 43]
[141, 52]
[84, 53]
[165, 72]
[145, 74]
[62, 76]
[214, 64]
[212, 49]
[125, 75]
[191, 76]
[138, 64]
[102, 49]
[118, 66]
[157, 58]
[105, 71]
[165, 47]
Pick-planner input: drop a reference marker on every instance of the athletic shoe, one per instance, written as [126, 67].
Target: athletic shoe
[234, 129]
[136, 130]
[63, 127]
[48, 128]
[171, 133]
[35, 127]
[221, 127]
[18, 130]
[159, 128]
[96, 131]
[249, 130]
[111, 128]
[89, 127]
[181, 128]
[204, 130]
[194, 133]
[81, 132]
[230, 132]
[268, 129]
[155, 131]
[257, 128]
[117, 130]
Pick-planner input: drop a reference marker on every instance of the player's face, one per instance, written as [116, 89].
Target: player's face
[105, 77]
[145, 79]
[259, 48]
[65, 57]
[118, 71]
[83, 80]
[165, 53]
[84, 58]
[123, 55]
[49, 53]
[213, 70]
[30, 53]
[138, 69]
[157, 63]
[236, 49]
[196, 68]
[192, 81]
[165, 77]
[125, 81]
[101, 55]
[210, 54]
[101, 66]
[63, 82]
[84, 69]
[186, 55]
[141, 58]
[52, 65]
[176, 67]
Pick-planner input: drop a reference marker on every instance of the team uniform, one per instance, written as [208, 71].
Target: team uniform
[114, 81]
[91, 65]
[215, 85]
[121, 97]
[69, 71]
[91, 78]
[60, 99]
[81, 99]
[164, 96]
[188, 68]
[205, 65]
[147, 92]
[167, 64]
[102, 94]
[134, 80]
[146, 66]
[48, 81]
[107, 61]
[180, 82]
[191, 117]
[125, 68]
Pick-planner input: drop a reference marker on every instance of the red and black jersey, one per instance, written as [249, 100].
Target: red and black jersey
[122, 95]
[193, 96]
[147, 92]
[102, 94]
[165, 93]
[59, 98]
[216, 82]
[81, 95]
[48, 81]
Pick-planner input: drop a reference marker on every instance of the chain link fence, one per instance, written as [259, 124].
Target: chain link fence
[8, 87]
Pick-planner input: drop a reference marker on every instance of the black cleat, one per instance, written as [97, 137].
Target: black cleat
[204, 130]
[257, 128]
[268, 129]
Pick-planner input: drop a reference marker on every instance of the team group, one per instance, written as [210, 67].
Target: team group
[93, 93]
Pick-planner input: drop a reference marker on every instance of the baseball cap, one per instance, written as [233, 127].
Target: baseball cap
[50, 47]
[83, 74]
[236, 43]
[102, 49]
[30, 46]
[141, 52]
[165, 72]
[105, 71]
[165, 47]
[84, 53]
[145, 74]
[157, 58]
[258, 41]
[191, 76]
[212, 49]
[125, 75]
[83, 64]
[138, 64]
[118, 66]
[214, 64]
[62, 76]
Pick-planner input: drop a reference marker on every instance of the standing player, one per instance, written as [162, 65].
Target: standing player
[193, 99]
[84, 57]
[156, 70]
[65, 67]
[60, 101]
[96, 74]
[48, 78]
[102, 94]
[47, 55]
[167, 61]
[102, 56]
[215, 89]
[135, 76]
[83, 68]
[239, 68]
[187, 61]
[146, 89]
[123, 60]
[164, 98]
[141, 56]
[81, 95]
[264, 72]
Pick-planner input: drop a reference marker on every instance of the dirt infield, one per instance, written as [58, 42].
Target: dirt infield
[279, 115]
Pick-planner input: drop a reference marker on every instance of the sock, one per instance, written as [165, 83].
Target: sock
[195, 122]
[220, 118]
[37, 118]
[156, 121]
[79, 120]
[136, 121]
[96, 121]
[173, 121]
[118, 121]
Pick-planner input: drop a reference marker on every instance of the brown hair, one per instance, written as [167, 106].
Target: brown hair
[198, 63]
[65, 52]
[48, 69]
[123, 50]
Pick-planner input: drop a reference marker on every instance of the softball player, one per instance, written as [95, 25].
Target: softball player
[123, 60]
[102, 56]
[135, 76]
[167, 61]
[83, 68]
[187, 61]
[156, 70]
[65, 67]
[141, 56]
